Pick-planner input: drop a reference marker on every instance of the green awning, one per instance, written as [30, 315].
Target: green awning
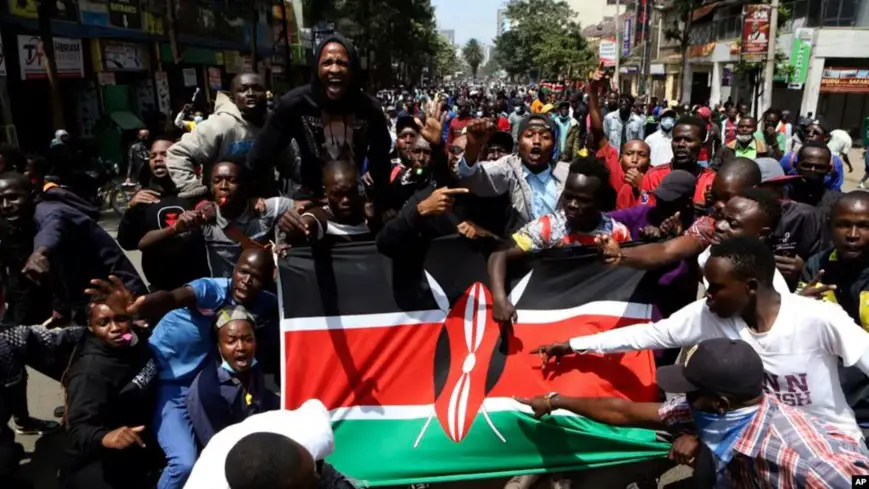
[127, 120]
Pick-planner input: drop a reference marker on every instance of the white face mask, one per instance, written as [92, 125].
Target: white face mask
[744, 138]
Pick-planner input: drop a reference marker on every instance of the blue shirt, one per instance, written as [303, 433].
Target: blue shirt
[833, 181]
[183, 340]
[544, 193]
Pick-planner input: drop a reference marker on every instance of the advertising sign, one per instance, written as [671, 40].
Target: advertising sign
[626, 42]
[608, 52]
[67, 54]
[66, 10]
[755, 32]
[845, 80]
[122, 56]
[800, 56]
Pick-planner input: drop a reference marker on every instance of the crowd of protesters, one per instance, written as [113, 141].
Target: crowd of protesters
[165, 383]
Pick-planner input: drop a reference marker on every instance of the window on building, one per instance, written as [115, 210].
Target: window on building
[821, 13]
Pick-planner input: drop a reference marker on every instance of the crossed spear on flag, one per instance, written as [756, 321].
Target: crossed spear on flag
[470, 331]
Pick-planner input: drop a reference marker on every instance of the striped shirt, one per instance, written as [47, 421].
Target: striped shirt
[782, 448]
[554, 231]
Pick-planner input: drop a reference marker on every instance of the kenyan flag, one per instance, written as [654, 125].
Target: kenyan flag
[420, 380]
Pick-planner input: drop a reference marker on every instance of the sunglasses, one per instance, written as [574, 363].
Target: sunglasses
[456, 150]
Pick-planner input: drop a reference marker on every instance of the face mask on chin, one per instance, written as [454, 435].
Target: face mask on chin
[744, 138]
[720, 432]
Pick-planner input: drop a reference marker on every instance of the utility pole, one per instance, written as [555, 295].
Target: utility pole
[769, 69]
[618, 44]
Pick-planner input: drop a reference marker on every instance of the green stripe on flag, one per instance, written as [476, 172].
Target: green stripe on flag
[381, 452]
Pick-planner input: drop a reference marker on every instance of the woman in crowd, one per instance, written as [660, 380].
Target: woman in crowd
[110, 400]
[232, 388]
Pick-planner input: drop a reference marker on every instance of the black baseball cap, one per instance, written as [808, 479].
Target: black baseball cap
[537, 120]
[677, 184]
[719, 366]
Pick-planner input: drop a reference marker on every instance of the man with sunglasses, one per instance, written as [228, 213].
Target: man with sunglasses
[814, 131]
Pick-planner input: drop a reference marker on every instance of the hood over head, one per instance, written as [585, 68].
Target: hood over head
[64, 196]
[223, 104]
[354, 90]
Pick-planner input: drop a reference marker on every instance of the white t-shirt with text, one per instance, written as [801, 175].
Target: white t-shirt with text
[800, 352]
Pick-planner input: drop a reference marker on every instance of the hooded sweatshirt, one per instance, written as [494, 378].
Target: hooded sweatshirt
[78, 248]
[299, 116]
[224, 133]
[108, 388]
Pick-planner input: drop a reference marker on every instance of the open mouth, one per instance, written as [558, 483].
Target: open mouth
[242, 361]
[334, 86]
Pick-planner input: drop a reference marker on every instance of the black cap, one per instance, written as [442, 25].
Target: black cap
[668, 112]
[405, 122]
[719, 366]
[537, 120]
[677, 184]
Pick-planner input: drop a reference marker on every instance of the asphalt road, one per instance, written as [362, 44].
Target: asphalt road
[44, 395]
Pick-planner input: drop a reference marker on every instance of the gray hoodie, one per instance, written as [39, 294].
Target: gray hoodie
[224, 133]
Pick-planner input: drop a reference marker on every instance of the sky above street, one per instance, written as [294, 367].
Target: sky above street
[469, 18]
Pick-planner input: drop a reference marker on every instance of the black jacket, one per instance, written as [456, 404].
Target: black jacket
[299, 116]
[409, 233]
[173, 262]
[108, 388]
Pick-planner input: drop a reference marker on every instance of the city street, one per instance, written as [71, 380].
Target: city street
[45, 394]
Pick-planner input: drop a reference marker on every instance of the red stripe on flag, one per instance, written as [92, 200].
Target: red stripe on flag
[395, 365]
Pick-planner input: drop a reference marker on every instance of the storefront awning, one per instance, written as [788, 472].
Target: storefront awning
[705, 10]
[126, 120]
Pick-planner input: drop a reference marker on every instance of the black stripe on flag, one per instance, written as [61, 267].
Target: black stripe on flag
[354, 279]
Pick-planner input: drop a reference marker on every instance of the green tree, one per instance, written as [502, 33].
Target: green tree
[446, 63]
[473, 54]
[543, 41]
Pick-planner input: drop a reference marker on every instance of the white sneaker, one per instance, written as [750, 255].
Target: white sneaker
[522, 482]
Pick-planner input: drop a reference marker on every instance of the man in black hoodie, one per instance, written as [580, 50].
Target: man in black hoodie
[330, 119]
[163, 226]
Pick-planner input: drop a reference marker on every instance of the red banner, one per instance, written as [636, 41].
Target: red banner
[845, 80]
[755, 32]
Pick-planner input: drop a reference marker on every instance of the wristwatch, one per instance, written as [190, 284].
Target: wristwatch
[548, 398]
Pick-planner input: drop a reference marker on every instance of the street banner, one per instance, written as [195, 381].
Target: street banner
[608, 52]
[845, 80]
[800, 57]
[67, 56]
[755, 32]
[626, 41]
[420, 379]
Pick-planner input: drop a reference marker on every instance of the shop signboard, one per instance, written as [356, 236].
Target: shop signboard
[800, 56]
[124, 56]
[845, 80]
[125, 14]
[214, 80]
[67, 55]
[66, 10]
[608, 52]
[626, 42]
[189, 75]
[755, 32]
[161, 86]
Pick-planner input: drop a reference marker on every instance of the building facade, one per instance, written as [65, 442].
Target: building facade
[449, 35]
[591, 12]
[835, 63]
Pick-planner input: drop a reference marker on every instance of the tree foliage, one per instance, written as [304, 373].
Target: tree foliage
[445, 62]
[543, 40]
[474, 56]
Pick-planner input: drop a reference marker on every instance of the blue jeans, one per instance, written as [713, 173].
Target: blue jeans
[175, 434]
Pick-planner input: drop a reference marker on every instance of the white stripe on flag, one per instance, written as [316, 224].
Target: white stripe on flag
[629, 310]
[387, 413]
